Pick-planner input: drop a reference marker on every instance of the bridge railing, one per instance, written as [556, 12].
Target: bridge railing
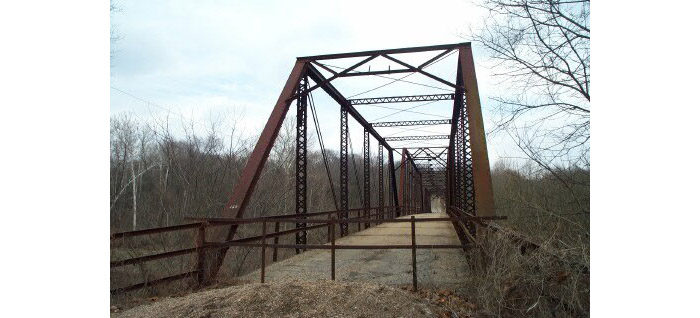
[331, 224]
[373, 215]
[199, 230]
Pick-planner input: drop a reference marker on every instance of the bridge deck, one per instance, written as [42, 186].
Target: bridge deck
[440, 268]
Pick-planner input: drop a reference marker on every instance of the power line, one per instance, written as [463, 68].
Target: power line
[404, 110]
[409, 111]
[149, 103]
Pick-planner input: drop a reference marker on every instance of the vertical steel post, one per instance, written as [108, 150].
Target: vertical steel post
[483, 189]
[402, 180]
[409, 185]
[380, 181]
[366, 177]
[343, 170]
[422, 194]
[262, 252]
[301, 204]
[413, 252]
[328, 233]
[453, 150]
[392, 179]
[332, 249]
[200, 244]
[459, 146]
[276, 241]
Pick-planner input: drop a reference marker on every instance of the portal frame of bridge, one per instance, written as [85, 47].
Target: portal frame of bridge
[467, 184]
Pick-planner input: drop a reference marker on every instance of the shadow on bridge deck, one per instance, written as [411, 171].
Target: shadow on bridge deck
[436, 268]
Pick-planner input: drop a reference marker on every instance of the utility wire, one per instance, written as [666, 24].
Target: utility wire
[401, 130]
[149, 103]
[354, 167]
[404, 110]
[410, 111]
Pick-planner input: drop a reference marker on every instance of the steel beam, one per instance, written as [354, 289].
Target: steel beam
[380, 179]
[392, 177]
[404, 64]
[369, 73]
[243, 190]
[403, 179]
[366, 177]
[379, 52]
[343, 170]
[327, 81]
[316, 75]
[401, 99]
[301, 170]
[412, 123]
[483, 189]
[430, 137]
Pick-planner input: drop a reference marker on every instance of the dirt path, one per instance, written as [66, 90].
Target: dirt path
[437, 268]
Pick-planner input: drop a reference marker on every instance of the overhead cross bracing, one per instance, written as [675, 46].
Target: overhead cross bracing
[401, 99]
[457, 172]
[412, 123]
[432, 137]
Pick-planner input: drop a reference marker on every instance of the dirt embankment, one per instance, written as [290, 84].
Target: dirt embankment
[293, 298]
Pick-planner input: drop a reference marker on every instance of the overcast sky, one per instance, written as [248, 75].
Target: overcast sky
[194, 60]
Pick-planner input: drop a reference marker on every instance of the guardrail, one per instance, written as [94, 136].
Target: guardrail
[387, 212]
[385, 215]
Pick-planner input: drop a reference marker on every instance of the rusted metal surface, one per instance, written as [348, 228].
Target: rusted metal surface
[429, 137]
[342, 101]
[344, 200]
[246, 184]
[200, 243]
[366, 175]
[414, 123]
[401, 99]
[154, 282]
[413, 252]
[380, 179]
[415, 69]
[392, 180]
[333, 251]
[157, 230]
[389, 51]
[277, 240]
[480, 159]
[403, 179]
[263, 245]
[349, 247]
[142, 259]
[225, 221]
[300, 176]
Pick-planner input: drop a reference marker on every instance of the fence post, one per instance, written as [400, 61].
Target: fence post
[199, 243]
[276, 241]
[332, 249]
[328, 232]
[413, 249]
[262, 252]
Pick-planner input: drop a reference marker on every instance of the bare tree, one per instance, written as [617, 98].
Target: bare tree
[113, 36]
[540, 51]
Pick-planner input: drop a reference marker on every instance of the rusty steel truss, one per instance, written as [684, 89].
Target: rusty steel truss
[458, 172]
